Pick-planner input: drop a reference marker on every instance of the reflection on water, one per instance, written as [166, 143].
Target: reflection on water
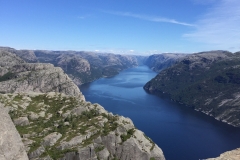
[181, 132]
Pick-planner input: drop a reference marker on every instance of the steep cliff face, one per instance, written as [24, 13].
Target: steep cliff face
[207, 81]
[82, 66]
[18, 76]
[31, 77]
[54, 125]
[7, 60]
[158, 62]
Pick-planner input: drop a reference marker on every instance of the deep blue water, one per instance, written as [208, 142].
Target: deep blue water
[181, 132]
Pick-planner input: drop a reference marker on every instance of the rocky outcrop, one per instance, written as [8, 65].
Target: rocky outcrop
[36, 77]
[71, 128]
[158, 62]
[7, 60]
[11, 146]
[229, 155]
[208, 82]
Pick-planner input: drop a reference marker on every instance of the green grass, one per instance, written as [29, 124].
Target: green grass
[99, 148]
[129, 134]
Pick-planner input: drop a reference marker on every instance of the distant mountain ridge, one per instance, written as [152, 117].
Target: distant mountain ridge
[208, 82]
[81, 66]
[158, 62]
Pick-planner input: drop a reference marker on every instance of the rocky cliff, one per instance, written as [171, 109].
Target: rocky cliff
[54, 125]
[81, 67]
[208, 82]
[55, 122]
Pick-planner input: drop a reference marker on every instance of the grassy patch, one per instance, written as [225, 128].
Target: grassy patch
[99, 148]
[125, 137]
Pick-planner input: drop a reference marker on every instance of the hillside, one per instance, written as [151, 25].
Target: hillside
[158, 62]
[55, 122]
[208, 82]
[81, 67]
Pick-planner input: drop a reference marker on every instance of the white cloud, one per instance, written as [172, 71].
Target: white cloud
[220, 27]
[149, 18]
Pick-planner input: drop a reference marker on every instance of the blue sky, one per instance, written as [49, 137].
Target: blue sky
[121, 26]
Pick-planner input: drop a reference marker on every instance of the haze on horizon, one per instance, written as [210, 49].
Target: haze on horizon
[123, 27]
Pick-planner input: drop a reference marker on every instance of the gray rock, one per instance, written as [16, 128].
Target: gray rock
[51, 139]
[87, 153]
[73, 142]
[33, 116]
[21, 121]
[35, 77]
[103, 154]
[229, 155]
[38, 152]
[11, 146]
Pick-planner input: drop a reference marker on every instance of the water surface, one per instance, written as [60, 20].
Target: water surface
[181, 132]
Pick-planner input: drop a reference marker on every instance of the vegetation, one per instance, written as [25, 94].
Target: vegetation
[130, 133]
[7, 76]
[52, 107]
[42, 126]
[99, 148]
[201, 85]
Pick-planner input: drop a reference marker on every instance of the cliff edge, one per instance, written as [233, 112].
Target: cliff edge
[55, 122]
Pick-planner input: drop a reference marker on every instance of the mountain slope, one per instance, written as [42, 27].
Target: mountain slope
[81, 66]
[158, 62]
[56, 126]
[207, 81]
[61, 124]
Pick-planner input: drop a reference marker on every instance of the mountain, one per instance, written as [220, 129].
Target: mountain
[158, 62]
[54, 121]
[81, 67]
[208, 82]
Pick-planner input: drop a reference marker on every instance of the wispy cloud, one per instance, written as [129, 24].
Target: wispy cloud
[220, 27]
[81, 17]
[148, 18]
[84, 16]
[203, 2]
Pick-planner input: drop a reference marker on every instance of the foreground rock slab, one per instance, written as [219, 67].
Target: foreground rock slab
[11, 146]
